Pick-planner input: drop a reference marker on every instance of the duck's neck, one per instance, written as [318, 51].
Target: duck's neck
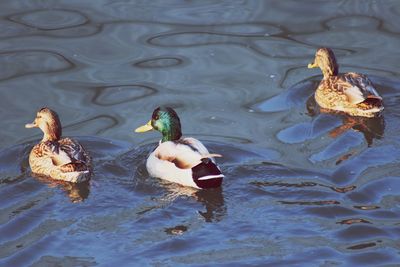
[47, 138]
[51, 133]
[329, 67]
[329, 72]
[171, 134]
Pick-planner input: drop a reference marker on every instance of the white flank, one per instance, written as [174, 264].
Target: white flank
[354, 95]
[158, 163]
[75, 177]
[208, 177]
[61, 158]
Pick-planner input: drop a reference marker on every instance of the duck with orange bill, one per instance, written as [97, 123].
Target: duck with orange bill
[351, 92]
[54, 156]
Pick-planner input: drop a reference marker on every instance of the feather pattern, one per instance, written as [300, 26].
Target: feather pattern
[185, 153]
[358, 87]
[352, 93]
[63, 160]
[176, 159]
[74, 150]
[173, 160]
[60, 158]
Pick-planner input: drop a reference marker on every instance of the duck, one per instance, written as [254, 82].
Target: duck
[182, 160]
[351, 92]
[56, 157]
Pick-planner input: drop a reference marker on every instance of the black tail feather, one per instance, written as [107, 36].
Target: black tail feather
[207, 174]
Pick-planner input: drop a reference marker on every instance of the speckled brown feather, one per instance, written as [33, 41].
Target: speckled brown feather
[41, 159]
[331, 94]
[42, 162]
[352, 93]
[75, 151]
[60, 158]
[73, 167]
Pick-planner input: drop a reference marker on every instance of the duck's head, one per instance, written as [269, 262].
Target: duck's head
[47, 120]
[325, 60]
[166, 121]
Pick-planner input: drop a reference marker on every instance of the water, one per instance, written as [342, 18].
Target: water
[302, 187]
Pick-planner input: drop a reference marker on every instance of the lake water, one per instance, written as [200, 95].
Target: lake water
[302, 188]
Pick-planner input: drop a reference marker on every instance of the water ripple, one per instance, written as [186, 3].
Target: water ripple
[11, 29]
[359, 22]
[161, 62]
[298, 181]
[53, 19]
[192, 38]
[19, 63]
[66, 260]
[118, 94]
[102, 122]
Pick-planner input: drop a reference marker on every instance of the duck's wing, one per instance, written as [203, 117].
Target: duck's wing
[66, 151]
[357, 87]
[73, 150]
[185, 153]
[53, 151]
[197, 145]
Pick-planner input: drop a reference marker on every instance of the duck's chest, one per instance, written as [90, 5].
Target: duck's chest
[39, 160]
[330, 94]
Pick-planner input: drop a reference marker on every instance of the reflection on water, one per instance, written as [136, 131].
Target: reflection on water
[76, 192]
[306, 184]
[371, 128]
[211, 200]
[299, 181]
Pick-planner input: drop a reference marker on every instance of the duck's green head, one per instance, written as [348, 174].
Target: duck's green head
[166, 121]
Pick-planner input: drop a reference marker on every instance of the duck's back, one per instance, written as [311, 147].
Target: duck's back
[79, 158]
[65, 160]
[185, 161]
[352, 93]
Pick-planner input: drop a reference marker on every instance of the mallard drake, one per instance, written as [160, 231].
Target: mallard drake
[352, 93]
[59, 158]
[183, 160]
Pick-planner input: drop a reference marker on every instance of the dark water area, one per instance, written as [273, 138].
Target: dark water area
[302, 187]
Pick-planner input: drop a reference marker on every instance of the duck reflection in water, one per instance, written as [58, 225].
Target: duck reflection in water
[371, 128]
[212, 199]
[77, 192]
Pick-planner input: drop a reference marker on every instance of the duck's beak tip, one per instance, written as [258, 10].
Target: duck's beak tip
[30, 125]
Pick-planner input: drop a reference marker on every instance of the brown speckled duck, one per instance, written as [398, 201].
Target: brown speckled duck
[350, 92]
[59, 158]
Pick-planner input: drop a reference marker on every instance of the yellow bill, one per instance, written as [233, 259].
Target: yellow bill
[312, 65]
[145, 128]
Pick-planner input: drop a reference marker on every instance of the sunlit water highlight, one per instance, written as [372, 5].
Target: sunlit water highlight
[302, 187]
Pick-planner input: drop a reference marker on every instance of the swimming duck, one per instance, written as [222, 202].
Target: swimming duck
[352, 93]
[59, 158]
[183, 160]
